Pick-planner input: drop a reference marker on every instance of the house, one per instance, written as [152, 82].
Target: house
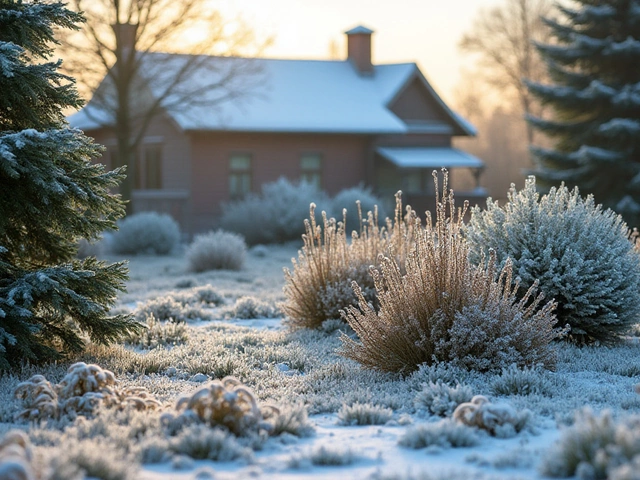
[335, 124]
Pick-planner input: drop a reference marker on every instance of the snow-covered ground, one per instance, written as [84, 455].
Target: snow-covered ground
[286, 368]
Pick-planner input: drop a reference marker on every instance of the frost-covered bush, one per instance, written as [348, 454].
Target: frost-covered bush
[159, 334]
[252, 307]
[146, 232]
[332, 457]
[293, 420]
[16, 456]
[444, 433]
[357, 201]
[168, 308]
[499, 419]
[320, 284]
[441, 399]
[595, 447]
[444, 309]
[91, 458]
[364, 414]
[522, 381]
[217, 250]
[276, 215]
[80, 392]
[580, 255]
[225, 403]
[204, 443]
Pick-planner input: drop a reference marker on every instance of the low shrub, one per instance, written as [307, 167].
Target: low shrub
[252, 307]
[204, 443]
[159, 334]
[146, 232]
[444, 433]
[293, 420]
[364, 414]
[444, 309]
[595, 447]
[499, 419]
[320, 284]
[217, 250]
[441, 399]
[522, 381]
[16, 455]
[357, 201]
[276, 215]
[170, 308]
[579, 254]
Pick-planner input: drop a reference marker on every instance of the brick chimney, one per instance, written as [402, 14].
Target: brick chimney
[125, 37]
[359, 49]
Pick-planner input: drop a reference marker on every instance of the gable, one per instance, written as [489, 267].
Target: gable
[415, 104]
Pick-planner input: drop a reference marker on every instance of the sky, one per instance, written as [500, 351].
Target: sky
[423, 31]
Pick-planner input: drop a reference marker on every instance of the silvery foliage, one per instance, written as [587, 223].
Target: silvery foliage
[579, 252]
[216, 250]
[146, 233]
[348, 199]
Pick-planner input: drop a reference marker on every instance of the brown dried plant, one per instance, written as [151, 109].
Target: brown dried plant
[320, 284]
[223, 403]
[445, 309]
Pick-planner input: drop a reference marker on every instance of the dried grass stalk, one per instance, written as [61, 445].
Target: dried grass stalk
[445, 309]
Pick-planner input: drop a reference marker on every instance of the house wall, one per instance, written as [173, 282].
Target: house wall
[174, 198]
[273, 155]
[416, 104]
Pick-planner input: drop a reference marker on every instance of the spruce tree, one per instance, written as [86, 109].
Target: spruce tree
[594, 65]
[51, 196]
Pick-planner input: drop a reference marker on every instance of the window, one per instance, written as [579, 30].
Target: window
[239, 175]
[149, 168]
[311, 169]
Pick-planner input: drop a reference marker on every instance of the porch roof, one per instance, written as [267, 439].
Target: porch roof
[429, 157]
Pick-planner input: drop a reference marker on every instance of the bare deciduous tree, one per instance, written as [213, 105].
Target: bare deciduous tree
[114, 57]
[503, 38]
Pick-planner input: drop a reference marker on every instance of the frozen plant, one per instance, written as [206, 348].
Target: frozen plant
[331, 457]
[158, 333]
[39, 398]
[146, 233]
[595, 447]
[357, 201]
[224, 403]
[320, 285]
[217, 250]
[499, 419]
[522, 381]
[364, 414]
[168, 308]
[444, 433]
[252, 307]
[16, 456]
[91, 458]
[441, 399]
[438, 307]
[293, 420]
[578, 253]
[80, 391]
[204, 443]
[275, 215]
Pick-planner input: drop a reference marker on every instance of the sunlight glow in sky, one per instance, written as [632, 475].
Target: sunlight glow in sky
[424, 31]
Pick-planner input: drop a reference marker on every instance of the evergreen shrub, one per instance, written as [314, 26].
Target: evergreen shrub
[146, 233]
[320, 284]
[217, 250]
[446, 309]
[579, 253]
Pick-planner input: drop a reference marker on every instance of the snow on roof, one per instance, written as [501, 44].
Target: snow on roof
[312, 96]
[431, 157]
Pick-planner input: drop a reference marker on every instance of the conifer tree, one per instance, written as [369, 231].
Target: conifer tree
[50, 197]
[595, 98]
